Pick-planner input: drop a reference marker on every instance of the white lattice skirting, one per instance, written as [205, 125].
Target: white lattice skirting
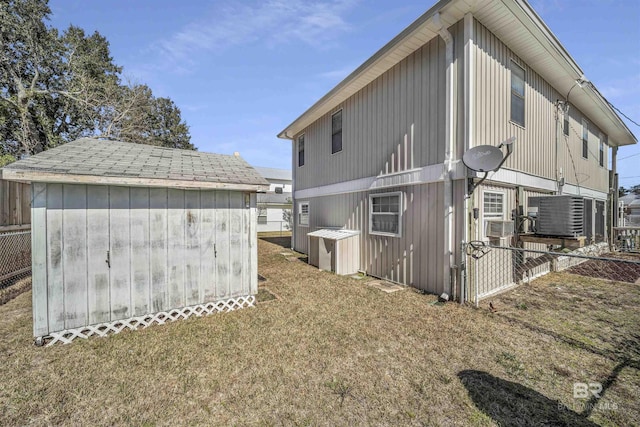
[141, 322]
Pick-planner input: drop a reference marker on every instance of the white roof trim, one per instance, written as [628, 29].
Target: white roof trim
[58, 178]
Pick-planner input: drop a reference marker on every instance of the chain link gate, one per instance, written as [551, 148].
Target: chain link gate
[493, 269]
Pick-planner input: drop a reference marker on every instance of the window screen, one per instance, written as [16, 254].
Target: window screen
[336, 132]
[517, 94]
[301, 150]
[385, 214]
[303, 214]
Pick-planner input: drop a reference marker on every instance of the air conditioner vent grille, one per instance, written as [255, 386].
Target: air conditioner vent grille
[559, 215]
[499, 228]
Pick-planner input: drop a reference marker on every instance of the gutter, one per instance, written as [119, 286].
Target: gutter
[448, 156]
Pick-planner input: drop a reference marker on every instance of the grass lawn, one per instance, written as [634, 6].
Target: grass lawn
[331, 350]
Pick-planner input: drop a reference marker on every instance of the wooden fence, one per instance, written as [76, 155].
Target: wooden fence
[15, 206]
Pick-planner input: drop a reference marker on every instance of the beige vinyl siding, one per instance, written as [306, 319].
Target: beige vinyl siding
[415, 259]
[535, 148]
[376, 120]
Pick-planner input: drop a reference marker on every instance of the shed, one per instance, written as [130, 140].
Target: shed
[336, 250]
[128, 235]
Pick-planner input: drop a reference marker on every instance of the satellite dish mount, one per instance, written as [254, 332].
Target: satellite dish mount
[486, 158]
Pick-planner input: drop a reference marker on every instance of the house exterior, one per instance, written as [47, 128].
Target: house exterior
[273, 204]
[381, 152]
[128, 235]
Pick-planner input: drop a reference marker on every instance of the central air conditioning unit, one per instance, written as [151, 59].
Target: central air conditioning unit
[499, 228]
[560, 216]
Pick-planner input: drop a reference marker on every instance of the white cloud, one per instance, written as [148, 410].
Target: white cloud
[627, 87]
[317, 23]
[338, 74]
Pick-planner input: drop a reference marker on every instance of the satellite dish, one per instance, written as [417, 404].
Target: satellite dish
[483, 158]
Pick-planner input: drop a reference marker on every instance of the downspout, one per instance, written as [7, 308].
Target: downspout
[293, 186]
[469, 99]
[448, 156]
[614, 199]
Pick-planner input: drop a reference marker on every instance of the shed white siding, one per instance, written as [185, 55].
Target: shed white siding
[104, 253]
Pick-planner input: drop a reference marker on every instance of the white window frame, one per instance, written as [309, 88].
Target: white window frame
[399, 213]
[262, 213]
[492, 216]
[300, 223]
[512, 93]
[304, 159]
[341, 131]
[602, 153]
[585, 139]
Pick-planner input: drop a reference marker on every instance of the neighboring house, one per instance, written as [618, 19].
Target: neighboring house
[278, 200]
[127, 235]
[381, 152]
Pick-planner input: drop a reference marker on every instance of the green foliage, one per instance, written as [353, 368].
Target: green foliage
[55, 88]
[5, 159]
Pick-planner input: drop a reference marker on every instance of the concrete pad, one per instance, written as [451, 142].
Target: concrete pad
[385, 286]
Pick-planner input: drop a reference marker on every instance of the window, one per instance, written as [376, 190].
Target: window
[336, 132]
[262, 215]
[385, 214]
[278, 190]
[301, 150]
[603, 140]
[585, 139]
[493, 207]
[517, 94]
[303, 213]
[565, 128]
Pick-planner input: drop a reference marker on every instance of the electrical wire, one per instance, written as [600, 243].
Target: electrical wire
[623, 114]
[626, 157]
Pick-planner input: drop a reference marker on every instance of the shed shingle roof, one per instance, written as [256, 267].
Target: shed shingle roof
[121, 163]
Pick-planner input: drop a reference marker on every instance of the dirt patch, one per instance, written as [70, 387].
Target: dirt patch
[19, 287]
[284, 242]
[619, 271]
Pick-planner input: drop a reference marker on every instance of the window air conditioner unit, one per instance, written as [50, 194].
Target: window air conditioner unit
[499, 228]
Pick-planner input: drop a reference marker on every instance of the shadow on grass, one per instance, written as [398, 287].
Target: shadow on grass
[285, 241]
[509, 403]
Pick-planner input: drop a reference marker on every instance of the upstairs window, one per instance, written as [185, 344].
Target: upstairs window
[336, 132]
[517, 93]
[585, 139]
[565, 127]
[301, 150]
[603, 141]
[385, 214]
[303, 213]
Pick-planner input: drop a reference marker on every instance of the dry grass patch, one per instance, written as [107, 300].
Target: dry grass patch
[330, 351]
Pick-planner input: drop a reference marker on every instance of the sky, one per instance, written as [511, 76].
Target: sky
[241, 71]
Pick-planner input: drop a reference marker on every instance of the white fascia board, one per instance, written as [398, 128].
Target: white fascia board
[424, 175]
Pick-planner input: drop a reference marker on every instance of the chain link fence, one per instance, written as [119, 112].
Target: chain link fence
[493, 269]
[273, 228]
[15, 257]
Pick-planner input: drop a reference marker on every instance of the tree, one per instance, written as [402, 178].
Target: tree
[287, 215]
[57, 87]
